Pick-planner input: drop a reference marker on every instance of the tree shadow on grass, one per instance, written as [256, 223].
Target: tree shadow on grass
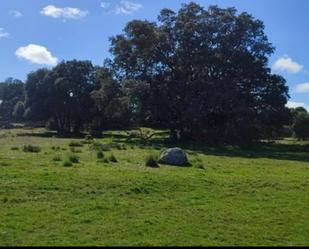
[291, 152]
[50, 134]
[295, 152]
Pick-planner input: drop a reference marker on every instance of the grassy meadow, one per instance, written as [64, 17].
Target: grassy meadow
[75, 192]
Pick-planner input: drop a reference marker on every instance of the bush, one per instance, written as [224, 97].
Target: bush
[67, 163]
[100, 154]
[31, 149]
[14, 148]
[74, 159]
[75, 144]
[151, 161]
[112, 158]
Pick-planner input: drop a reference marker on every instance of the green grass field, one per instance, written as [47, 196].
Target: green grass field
[230, 196]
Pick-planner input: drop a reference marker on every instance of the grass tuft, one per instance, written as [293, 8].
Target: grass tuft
[57, 158]
[75, 144]
[73, 159]
[67, 163]
[112, 158]
[100, 155]
[31, 149]
[55, 148]
[151, 161]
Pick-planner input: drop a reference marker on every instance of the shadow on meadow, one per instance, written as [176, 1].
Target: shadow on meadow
[50, 134]
[159, 141]
[279, 151]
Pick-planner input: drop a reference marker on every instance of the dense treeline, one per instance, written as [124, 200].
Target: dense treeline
[201, 73]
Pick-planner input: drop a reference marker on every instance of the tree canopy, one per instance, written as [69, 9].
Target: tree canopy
[12, 91]
[201, 73]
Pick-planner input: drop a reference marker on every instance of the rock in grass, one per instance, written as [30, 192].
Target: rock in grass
[174, 156]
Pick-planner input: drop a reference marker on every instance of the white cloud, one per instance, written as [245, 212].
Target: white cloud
[3, 33]
[302, 88]
[36, 54]
[105, 5]
[127, 8]
[64, 13]
[292, 104]
[287, 64]
[16, 13]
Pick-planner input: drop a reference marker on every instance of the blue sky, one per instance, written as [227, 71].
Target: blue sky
[39, 33]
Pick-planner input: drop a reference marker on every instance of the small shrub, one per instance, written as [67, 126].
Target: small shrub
[75, 144]
[14, 148]
[31, 149]
[67, 163]
[100, 155]
[74, 159]
[57, 158]
[112, 158]
[151, 162]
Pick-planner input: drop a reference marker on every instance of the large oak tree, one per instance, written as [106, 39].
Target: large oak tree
[202, 73]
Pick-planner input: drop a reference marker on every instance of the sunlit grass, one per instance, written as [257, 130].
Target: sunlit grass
[230, 196]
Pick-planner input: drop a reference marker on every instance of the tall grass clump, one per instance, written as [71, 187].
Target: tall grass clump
[57, 158]
[67, 163]
[31, 149]
[73, 159]
[112, 158]
[151, 161]
[75, 144]
[100, 155]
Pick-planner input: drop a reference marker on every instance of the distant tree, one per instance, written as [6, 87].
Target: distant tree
[12, 91]
[73, 81]
[38, 98]
[298, 110]
[112, 107]
[62, 94]
[19, 111]
[300, 123]
[202, 74]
